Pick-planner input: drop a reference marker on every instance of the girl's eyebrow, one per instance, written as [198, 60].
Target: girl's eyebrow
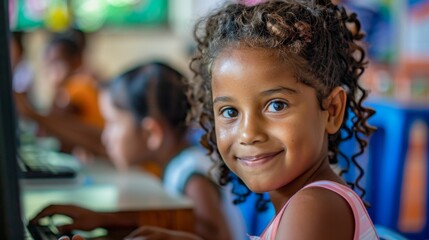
[279, 90]
[265, 93]
[222, 99]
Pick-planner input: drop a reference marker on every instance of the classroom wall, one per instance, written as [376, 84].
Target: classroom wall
[112, 50]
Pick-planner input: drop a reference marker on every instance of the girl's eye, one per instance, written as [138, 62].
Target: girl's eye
[276, 106]
[229, 113]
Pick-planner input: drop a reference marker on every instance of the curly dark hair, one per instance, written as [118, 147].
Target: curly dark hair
[321, 40]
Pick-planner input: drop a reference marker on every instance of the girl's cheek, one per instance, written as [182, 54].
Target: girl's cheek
[222, 135]
[224, 138]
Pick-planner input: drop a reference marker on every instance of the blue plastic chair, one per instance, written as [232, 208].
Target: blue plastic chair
[385, 160]
[388, 234]
[388, 149]
[256, 221]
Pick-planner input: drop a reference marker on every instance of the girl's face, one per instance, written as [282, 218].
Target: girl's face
[270, 129]
[122, 138]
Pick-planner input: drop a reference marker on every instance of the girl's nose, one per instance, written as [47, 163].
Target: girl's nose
[252, 131]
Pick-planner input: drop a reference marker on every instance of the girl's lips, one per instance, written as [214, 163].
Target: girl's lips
[254, 161]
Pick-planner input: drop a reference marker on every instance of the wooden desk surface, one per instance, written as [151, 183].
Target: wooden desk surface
[100, 187]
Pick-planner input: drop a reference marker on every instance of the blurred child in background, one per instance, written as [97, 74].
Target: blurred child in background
[74, 117]
[75, 89]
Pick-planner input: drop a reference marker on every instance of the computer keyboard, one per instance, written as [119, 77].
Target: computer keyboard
[42, 232]
[38, 164]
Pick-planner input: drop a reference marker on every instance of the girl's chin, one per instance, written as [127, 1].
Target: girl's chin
[257, 187]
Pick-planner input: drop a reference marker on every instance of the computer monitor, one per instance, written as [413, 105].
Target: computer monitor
[11, 225]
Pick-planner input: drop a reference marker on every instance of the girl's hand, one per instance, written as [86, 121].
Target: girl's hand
[83, 219]
[157, 233]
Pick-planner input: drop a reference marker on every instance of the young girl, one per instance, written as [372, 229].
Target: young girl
[273, 84]
[145, 110]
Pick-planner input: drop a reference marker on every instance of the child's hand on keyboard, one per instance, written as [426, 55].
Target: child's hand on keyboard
[83, 219]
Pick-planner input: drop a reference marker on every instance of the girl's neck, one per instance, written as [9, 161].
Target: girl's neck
[162, 157]
[320, 171]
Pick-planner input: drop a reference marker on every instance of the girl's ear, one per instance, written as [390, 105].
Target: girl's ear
[335, 104]
[154, 131]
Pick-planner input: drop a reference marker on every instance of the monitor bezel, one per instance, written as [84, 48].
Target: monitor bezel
[11, 225]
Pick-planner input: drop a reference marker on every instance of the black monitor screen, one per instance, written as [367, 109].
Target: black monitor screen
[11, 226]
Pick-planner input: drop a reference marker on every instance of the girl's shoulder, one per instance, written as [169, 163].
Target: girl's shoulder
[317, 213]
[181, 168]
[319, 200]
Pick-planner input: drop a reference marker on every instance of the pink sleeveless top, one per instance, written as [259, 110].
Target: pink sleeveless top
[364, 229]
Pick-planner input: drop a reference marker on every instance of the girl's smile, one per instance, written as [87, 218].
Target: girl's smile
[258, 160]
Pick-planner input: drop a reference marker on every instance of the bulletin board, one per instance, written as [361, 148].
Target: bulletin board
[87, 15]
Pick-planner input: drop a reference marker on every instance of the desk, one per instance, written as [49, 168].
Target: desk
[100, 187]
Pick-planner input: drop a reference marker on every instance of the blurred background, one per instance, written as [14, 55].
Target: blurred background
[119, 33]
[122, 33]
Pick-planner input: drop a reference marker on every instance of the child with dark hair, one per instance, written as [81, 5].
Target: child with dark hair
[146, 110]
[274, 82]
[76, 88]
[74, 117]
